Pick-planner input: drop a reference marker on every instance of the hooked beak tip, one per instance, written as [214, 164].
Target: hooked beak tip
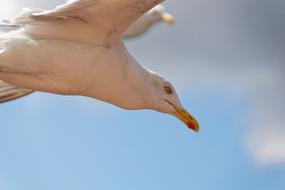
[185, 117]
[194, 126]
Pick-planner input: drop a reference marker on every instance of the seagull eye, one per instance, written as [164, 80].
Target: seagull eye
[168, 90]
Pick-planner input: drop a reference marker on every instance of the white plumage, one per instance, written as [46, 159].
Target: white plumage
[155, 15]
[77, 49]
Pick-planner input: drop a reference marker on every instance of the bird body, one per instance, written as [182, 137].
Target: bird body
[157, 14]
[50, 71]
[78, 49]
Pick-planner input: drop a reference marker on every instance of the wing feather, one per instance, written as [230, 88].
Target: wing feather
[81, 20]
[9, 92]
[6, 27]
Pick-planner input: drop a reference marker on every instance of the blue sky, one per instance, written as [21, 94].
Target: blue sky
[78, 143]
[226, 61]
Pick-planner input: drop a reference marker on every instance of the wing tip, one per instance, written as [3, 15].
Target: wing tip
[15, 96]
[9, 92]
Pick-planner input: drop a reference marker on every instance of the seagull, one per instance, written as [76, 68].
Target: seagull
[9, 92]
[78, 49]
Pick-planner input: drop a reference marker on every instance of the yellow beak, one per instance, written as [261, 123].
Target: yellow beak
[168, 18]
[188, 119]
[185, 117]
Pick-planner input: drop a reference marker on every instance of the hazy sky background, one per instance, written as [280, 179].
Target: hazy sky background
[226, 59]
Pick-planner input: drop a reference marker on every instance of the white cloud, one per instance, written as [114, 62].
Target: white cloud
[268, 145]
[267, 138]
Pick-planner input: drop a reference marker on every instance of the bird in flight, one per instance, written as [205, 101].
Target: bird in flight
[157, 14]
[78, 49]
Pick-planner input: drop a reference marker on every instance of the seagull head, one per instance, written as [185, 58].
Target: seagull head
[167, 101]
[159, 13]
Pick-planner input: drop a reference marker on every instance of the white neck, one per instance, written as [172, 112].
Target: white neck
[133, 89]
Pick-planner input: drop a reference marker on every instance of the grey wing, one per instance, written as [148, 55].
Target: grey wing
[9, 92]
[5, 21]
[7, 27]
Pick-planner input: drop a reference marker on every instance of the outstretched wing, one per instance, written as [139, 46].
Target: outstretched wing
[81, 20]
[9, 92]
[76, 20]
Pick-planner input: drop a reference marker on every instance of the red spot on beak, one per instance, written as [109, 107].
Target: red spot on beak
[193, 126]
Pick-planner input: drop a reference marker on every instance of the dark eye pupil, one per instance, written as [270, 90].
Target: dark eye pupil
[168, 90]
